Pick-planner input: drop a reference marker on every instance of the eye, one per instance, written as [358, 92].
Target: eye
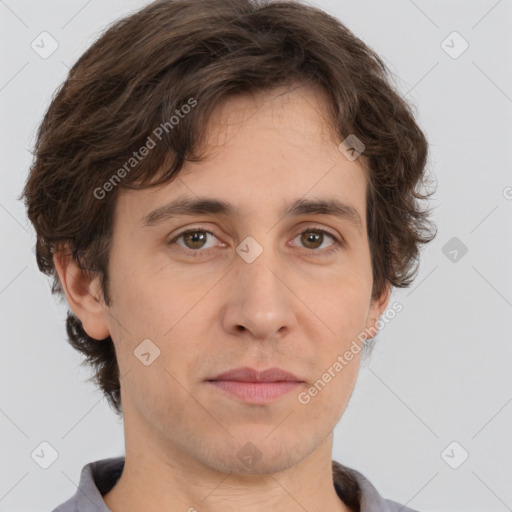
[314, 239]
[194, 242]
[193, 239]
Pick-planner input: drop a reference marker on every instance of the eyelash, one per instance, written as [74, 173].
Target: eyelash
[338, 243]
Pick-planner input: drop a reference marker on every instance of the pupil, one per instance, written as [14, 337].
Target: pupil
[195, 238]
[312, 237]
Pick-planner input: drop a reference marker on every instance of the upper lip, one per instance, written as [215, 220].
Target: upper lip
[246, 374]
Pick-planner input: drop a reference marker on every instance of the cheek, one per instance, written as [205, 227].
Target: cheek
[343, 309]
[142, 303]
[342, 303]
[324, 401]
[145, 308]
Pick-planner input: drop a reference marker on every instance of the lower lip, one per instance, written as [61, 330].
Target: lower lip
[256, 392]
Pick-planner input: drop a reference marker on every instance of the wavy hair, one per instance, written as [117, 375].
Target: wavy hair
[145, 67]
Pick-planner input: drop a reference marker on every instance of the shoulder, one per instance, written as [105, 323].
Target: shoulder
[393, 506]
[96, 479]
[350, 483]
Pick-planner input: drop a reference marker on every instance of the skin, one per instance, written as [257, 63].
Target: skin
[295, 307]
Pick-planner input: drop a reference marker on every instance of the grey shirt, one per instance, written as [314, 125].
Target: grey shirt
[98, 477]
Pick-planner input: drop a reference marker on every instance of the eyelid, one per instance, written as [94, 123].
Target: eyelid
[323, 229]
[193, 229]
[339, 241]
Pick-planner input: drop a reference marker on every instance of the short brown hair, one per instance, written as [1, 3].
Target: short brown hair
[146, 67]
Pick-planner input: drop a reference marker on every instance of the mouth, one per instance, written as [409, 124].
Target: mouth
[256, 387]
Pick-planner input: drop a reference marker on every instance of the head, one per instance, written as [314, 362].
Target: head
[241, 102]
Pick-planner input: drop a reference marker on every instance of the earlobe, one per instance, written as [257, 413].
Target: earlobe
[83, 293]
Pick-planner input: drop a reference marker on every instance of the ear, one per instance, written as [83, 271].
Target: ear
[377, 307]
[83, 293]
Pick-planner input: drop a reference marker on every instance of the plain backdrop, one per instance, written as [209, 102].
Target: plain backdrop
[440, 373]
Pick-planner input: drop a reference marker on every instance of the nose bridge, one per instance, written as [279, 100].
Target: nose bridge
[259, 278]
[260, 301]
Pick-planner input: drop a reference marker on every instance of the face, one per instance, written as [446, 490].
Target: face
[257, 288]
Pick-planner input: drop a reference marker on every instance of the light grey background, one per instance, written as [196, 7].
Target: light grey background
[441, 369]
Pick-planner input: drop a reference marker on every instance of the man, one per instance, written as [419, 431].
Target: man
[225, 192]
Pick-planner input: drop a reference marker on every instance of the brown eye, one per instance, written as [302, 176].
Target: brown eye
[315, 238]
[311, 239]
[194, 239]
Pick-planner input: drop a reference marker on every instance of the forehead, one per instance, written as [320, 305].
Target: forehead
[264, 152]
[301, 111]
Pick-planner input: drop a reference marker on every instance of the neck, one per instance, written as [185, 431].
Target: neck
[156, 479]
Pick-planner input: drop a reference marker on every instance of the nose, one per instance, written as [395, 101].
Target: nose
[259, 300]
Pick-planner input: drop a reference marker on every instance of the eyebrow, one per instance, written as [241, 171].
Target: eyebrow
[206, 205]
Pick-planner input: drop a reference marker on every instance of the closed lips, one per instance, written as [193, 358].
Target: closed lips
[246, 374]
